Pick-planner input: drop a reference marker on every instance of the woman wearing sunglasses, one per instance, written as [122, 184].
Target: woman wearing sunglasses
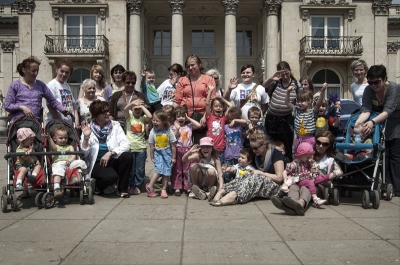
[298, 197]
[383, 96]
[263, 182]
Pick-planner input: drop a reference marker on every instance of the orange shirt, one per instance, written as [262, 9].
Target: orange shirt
[183, 93]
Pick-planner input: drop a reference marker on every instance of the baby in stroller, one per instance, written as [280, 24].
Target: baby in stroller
[358, 136]
[27, 165]
[58, 142]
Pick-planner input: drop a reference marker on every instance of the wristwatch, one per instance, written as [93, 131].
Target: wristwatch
[373, 122]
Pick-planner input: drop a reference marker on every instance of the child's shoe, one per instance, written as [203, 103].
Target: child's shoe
[177, 192]
[318, 202]
[134, 190]
[164, 194]
[150, 192]
[19, 187]
[213, 191]
[190, 194]
[199, 193]
[285, 188]
[58, 194]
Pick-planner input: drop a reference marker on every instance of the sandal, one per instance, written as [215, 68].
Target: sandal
[150, 192]
[123, 194]
[219, 203]
[213, 191]
[164, 194]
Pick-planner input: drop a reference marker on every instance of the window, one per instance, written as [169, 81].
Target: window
[81, 30]
[203, 42]
[326, 32]
[162, 42]
[244, 42]
[76, 79]
[326, 76]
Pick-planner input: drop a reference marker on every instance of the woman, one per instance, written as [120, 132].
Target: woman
[279, 120]
[166, 90]
[83, 104]
[298, 198]
[116, 75]
[106, 150]
[198, 82]
[24, 96]
[383, 96]
[121, 98]
[62, 92]
[97, 74]
[264, 182]
[214, 73]
[247, 94]
[359, 69]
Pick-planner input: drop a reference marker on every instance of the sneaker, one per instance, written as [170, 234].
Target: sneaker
[58, 194]
[191, 195]
[164, 194]
[31, 178]
[199, 193]
[318, 202]
[19, 187]
[150, 192]
[110, 189]
[134, 190]
[213, 191]
[177, 192]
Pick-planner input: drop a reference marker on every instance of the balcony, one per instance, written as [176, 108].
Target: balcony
[330, 47]
[76, 45]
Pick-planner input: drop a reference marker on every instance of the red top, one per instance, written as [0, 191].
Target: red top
[215, 130]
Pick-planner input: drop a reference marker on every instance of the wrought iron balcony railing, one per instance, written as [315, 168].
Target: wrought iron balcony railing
[331, 46]
[76, 44]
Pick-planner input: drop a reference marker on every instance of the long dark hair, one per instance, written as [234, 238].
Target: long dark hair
[330, 151]
[283, 65]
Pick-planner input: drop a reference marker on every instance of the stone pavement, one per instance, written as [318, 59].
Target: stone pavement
[178, 230]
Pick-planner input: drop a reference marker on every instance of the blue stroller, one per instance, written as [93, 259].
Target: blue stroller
[366, 175]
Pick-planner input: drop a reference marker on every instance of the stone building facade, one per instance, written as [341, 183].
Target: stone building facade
[319, 38]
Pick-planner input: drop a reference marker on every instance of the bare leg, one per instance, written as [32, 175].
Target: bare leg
[153, 180]
[219, 194]
[210, 177]
[195, 175]
[164, 182]
[229, 198]
[22, 173]
[37, 169]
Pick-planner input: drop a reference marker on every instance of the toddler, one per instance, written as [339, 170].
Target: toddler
[358, 155]
[26, 164]
[59, 143]
[149, 90]
[137, 117]
[162, 143]
[182, 128]
[246, 158]
[233, 132]
[207, 172]
[254, 115]
[280, 146]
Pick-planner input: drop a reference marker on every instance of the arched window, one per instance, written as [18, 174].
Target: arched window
[76, 79]
[327, 76]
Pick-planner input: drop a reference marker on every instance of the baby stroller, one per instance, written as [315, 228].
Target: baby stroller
[74, 179]
[367, 175]
[9, 195]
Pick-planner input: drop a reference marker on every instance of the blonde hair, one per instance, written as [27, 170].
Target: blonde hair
[260, 138]
[99, 69]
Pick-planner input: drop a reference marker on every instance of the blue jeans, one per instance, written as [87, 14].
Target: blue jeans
[138, 171]
[229, 176]
[221, 157]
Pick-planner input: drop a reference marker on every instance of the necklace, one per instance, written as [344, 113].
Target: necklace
[126, 97]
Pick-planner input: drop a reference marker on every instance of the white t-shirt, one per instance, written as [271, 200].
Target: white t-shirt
[62, 92]
[358, 91]
[324, 163]
[238, 95]
[166, 92]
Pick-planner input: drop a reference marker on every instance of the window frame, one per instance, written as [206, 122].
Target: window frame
[81, 41]
[202, 47]
[161, 47]
[244, 47]
[326, 44]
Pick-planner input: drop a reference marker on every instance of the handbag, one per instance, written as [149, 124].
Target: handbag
[195, 115]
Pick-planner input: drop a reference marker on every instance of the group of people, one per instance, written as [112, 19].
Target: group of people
[212, 143]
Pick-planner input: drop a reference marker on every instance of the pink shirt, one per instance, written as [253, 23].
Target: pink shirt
[215, 130]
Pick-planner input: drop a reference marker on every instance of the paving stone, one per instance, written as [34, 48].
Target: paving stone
[142, 199]
[355, 210]
[5, 223]
[147, 212]
[395, 242]
[385, 227]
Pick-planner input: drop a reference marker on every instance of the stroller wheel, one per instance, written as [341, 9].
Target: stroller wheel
[3, 190]
[375, 199]
[48, 200]
[389, 192]
[38, 200]
[326, 195]
[90, 196]
[336, 197]
[14, 202]
[365, 199]
[81, 197]
[4, 203]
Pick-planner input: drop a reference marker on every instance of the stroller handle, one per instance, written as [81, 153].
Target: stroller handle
[42, 153]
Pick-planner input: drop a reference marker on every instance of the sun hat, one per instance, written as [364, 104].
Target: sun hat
[304, 149]
[206, 141]
[24, 133]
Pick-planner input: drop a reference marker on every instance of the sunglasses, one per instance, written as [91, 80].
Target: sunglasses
[374, 83]
[130, 83]
[256, 148]
[216, 78]
[324, 144]
[105, 112]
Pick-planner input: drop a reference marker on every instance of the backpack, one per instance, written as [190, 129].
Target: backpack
[271, 91]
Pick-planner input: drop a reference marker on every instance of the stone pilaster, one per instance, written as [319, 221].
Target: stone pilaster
[272, 8]
[177, 7]
[393, 67]
[7, 60]
[381, 7]
[25, 9]
[381, 12]
[135, 45]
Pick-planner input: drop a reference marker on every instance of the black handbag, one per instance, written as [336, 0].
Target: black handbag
[195, 115]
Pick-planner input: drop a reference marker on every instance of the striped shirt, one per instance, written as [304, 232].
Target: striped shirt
[277, 106]
[304, 123]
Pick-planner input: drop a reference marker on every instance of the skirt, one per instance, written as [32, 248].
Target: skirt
[163, 161]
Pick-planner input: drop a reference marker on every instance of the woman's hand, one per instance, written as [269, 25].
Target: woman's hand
[277, 76]
[67, 111]
[86, 130]
[27, 111]
[233, 83]
[104, 160]
[368, 126]
[259, 172]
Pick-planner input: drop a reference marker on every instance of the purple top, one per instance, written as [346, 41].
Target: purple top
[21, 95]
[233, 141]
[108, 93]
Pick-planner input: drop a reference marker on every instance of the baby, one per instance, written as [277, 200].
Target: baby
[246, 157]
[359, 155]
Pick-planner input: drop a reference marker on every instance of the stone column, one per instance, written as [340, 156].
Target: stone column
[392, 66]
[7, 60]
[230, 57]
[25, 9]
[177, 7]
[135, 43]
[381, 12]
[272, 55]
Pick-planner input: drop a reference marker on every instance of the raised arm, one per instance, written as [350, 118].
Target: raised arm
[287, 98]
[192, 154]
[208, 101]
[275, 77]
[196, 124]
[320, 98]
[233, 83]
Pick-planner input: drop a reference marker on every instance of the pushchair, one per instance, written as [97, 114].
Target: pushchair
[74, 179]
[9, 195]
[367, 175]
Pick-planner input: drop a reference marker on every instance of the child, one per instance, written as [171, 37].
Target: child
[207, 172]
[135, 132]
[254, 115]
[233, 131]
[325, 121]
[360, 155]
[26, 163]
[162, 152]
[280, 146]
[305, 115]
[182, 128]
[246, 157]
[59, 143]
[149, 90]
[303, 172]
[216, 118]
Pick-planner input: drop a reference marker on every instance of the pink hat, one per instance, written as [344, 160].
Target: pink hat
[206, 141]
[24, 133]
[304, 149]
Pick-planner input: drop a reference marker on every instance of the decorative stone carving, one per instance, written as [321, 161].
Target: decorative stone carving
[305, 14]
[327, 2]
[230, 6]
[392, 47]
[177, 6]
[25, 6]
[134, 6]
[381, 7]
[243, 21]
[102, 13]
[161, 20]
[273, 7]
[56, 13]
[350, 15]
[342, 2]
[7, 46]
